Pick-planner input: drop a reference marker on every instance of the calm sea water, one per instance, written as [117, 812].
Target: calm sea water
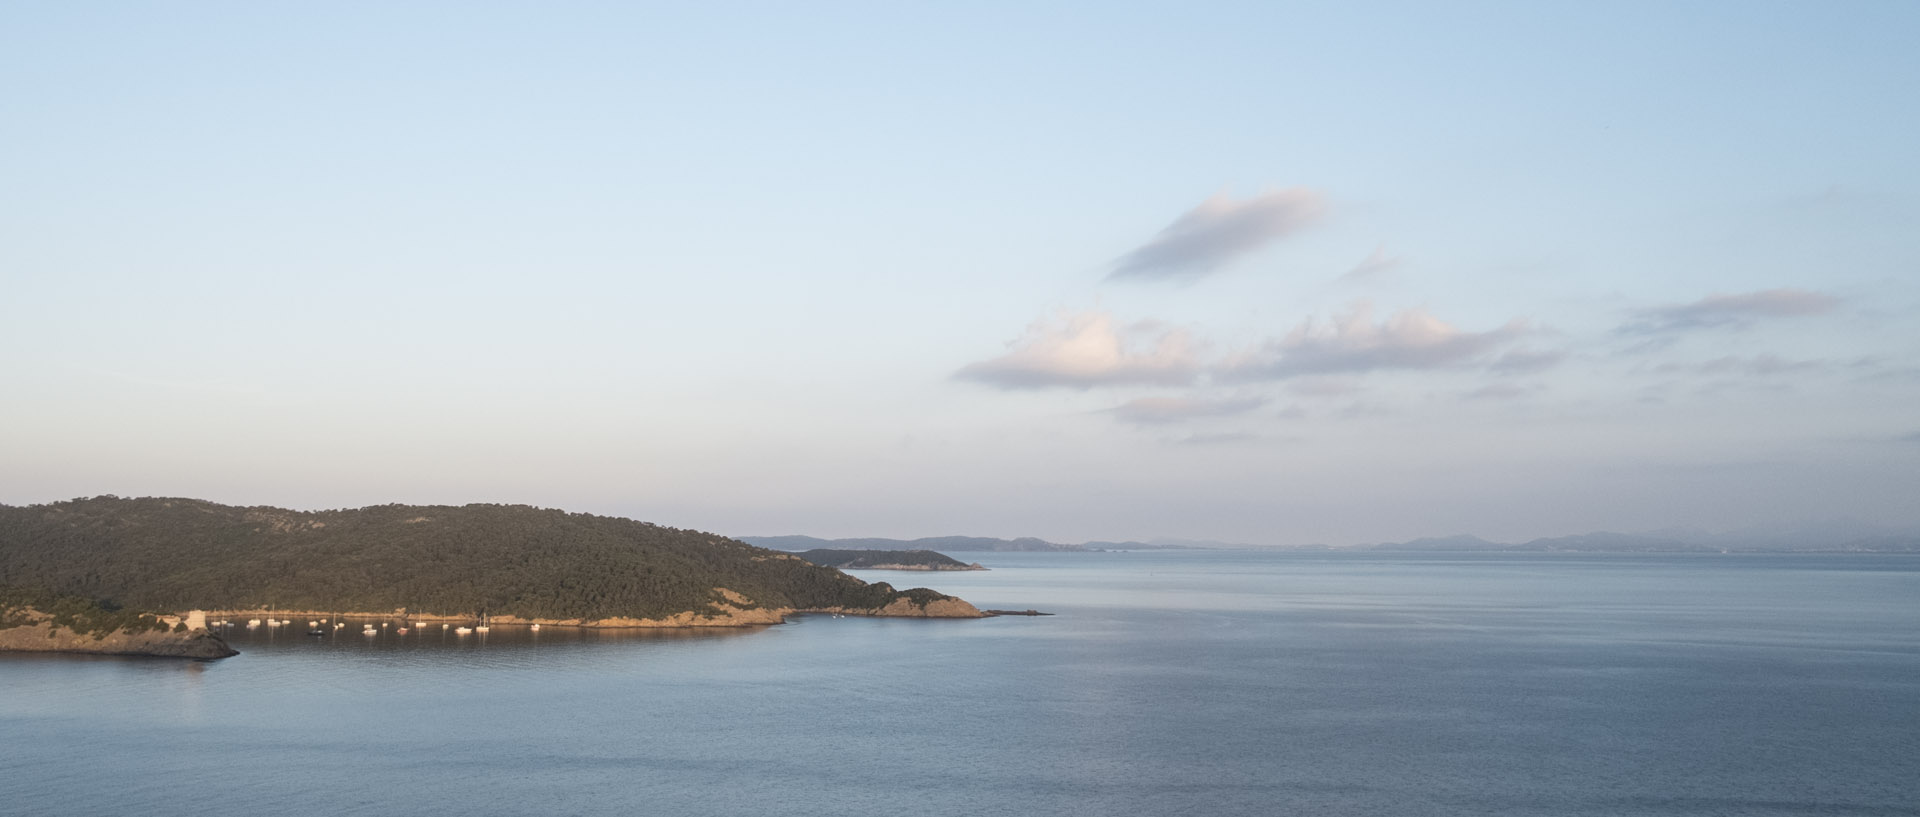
[1203, 683]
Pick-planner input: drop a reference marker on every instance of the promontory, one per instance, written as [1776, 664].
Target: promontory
[512, 563]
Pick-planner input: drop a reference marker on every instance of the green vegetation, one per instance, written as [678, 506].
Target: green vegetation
[179, 554]
[858, 559]
[81, 615]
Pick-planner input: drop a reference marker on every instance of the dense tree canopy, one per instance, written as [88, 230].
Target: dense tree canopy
[19, 606]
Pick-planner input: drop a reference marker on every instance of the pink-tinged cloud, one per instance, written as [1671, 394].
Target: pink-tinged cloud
[1162, 410]
[1354, 343]
[1730, 310]
[1090, 349]
[1218, 231]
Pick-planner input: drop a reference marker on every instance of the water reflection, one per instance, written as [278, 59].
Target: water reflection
[1642, 686]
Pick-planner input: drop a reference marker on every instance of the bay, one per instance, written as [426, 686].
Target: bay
[1177, 682]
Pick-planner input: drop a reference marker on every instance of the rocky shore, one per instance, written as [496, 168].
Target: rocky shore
[43, 636]
[38, 633]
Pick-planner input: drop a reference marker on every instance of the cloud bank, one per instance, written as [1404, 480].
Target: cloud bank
[1353, 343]
[1090, 349]
[1740, 309]
[1217, 232]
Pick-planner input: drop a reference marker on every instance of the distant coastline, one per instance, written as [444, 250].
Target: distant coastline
[973, 566]
[886, 560]
[932, 543]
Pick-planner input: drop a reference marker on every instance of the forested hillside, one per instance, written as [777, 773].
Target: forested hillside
[177, 554]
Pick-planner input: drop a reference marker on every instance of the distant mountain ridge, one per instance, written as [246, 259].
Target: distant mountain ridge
[1795, 539]
[1841, 536]
[978, 544]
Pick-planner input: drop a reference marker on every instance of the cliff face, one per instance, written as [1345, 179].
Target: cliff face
[43, 636]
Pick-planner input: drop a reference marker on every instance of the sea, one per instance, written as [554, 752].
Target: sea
[1165, 683]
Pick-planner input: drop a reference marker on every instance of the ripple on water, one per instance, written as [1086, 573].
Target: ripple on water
[1362, 685]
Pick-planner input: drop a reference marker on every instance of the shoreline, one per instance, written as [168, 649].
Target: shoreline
[42, 637]
[730, 617]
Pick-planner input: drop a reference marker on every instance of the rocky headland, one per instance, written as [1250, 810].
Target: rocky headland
[30, 630]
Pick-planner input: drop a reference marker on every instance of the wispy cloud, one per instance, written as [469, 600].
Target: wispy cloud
[1219, 230]
[1498, 391]
[1361, 411]
[1353, 343]
[1222, 438]
[1325, 386]
[1751, 385]
[1162, 410]
[1735, 310]
[1755, 366]
[1090, 349]
[1898, 374]
[1528, 361]
[1374, 264]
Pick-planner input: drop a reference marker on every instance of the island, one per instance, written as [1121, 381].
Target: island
[886, 560]
[507, 564]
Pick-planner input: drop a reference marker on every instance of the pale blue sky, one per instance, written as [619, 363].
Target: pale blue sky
[1273, 273]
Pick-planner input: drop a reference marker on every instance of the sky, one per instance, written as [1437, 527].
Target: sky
[1272, 273]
